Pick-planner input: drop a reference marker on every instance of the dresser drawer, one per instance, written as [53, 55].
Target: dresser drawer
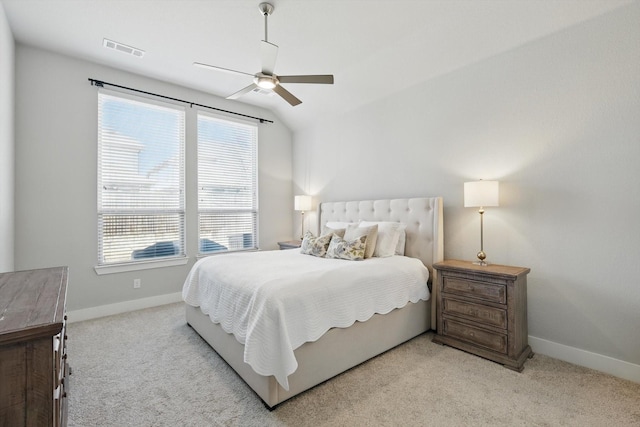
[60, 353]
[57, 358]
[476, 312]
[491, 340]
[59, 397]
[475, 289]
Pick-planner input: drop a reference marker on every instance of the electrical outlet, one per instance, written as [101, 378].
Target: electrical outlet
[136, 283]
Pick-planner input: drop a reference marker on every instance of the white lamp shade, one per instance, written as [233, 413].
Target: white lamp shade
[481, 194]
[302, 203]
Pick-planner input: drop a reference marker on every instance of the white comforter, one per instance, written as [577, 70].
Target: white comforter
[275, 301]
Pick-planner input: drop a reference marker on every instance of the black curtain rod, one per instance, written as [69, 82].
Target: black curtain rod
[100, 83]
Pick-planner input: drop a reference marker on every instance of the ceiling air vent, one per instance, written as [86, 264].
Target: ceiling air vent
[110, 44]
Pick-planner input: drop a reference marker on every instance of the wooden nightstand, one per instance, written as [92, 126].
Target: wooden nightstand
[291, 244]
[483, 310]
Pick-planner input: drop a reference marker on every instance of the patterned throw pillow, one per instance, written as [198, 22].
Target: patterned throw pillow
[316, 246]
[352, 250]
[354, 231]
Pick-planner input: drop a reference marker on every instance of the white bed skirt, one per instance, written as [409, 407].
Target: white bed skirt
[323, 359]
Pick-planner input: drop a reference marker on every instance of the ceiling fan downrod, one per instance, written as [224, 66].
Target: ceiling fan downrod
[266, 9]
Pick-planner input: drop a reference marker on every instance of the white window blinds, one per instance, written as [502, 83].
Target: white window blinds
[141, 205]
[227, 185]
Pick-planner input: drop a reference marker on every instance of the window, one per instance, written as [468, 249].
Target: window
[227, 185]
[141, 205]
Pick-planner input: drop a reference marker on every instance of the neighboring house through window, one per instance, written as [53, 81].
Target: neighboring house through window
[141, 185]
[227, 184]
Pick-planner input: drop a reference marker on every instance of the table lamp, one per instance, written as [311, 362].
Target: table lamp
[480, 194]
[302, 203]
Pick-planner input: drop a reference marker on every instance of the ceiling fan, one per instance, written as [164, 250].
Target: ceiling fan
[266, 78]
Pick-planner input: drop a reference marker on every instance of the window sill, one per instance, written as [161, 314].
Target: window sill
[139, 265]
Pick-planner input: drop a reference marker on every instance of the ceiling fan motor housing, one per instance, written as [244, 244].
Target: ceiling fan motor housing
[266, 81]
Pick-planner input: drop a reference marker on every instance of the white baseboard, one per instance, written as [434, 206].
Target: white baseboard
[122, 307]
[609, 365]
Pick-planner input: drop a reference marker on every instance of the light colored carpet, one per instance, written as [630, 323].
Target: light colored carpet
[148, 368]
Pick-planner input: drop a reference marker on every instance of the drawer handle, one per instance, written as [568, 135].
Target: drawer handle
[65, 336]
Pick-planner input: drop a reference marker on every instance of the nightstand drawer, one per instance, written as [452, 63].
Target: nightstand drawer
[475, 289]
[480, 337]
[476, 312]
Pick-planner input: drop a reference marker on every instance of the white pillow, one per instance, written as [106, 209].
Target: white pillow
[338, 224]
[337, 231]
[388, 237]
[354, 231]
[402, 240]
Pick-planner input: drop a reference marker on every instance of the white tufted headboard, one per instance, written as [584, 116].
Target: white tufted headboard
[423, 217]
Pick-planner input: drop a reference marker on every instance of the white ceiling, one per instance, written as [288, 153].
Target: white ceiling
[372, 47]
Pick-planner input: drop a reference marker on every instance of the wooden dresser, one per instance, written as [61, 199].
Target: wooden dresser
[483, 310]
[33, 358]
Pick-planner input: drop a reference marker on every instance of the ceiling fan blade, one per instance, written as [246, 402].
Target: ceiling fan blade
[268, 54]
[241, 92]
[226, 70]
[287, 96]
[317, 79]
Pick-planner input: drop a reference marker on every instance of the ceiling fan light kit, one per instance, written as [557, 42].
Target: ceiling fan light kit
[266, 78]
[265, 81]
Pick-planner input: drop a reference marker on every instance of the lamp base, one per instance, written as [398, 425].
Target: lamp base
[481, 258]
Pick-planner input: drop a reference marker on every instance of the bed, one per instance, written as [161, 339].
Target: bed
[341, 348]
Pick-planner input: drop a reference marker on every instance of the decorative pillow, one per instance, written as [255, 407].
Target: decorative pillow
[388, 237]
[354, 231]
[316, 246]
[351, 250]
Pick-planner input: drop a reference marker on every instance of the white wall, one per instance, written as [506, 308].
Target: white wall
[56, 134]
[557, 122]
[7, 67]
